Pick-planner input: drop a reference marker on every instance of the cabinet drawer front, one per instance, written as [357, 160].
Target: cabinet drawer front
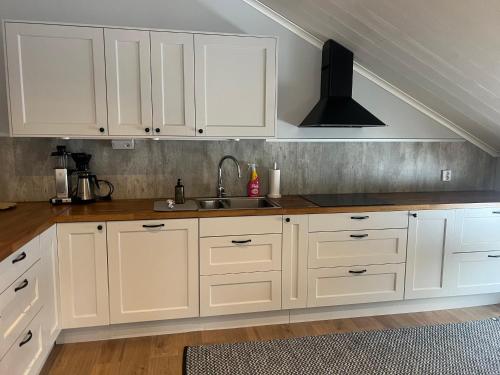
[478, 229]
[236, 226]
[17, 264]
[235, 254]
[333, 249]
[18, 305]
[472, 273]
[358, 221]
[360, 284]
[25, 355]
[240, 293]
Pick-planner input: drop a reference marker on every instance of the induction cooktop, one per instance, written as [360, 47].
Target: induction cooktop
[344, 200]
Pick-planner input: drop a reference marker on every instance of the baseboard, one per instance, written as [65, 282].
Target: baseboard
[390, 308]
[117, 331]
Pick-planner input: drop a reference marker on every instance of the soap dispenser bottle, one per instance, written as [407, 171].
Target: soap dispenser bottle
[179, 192]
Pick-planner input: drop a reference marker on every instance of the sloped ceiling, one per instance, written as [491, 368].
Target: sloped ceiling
[445, 54]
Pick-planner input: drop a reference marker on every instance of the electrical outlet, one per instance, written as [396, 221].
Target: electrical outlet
[446, 175]
[122, 144]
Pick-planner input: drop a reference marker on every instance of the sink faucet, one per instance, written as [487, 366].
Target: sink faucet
[220, 189]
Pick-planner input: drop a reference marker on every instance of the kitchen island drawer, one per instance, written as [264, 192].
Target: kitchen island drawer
[358, 221]
[241, 225]
[18, 305]
[26, 353]
[235, 254]
[334, 249]
[477, 230]
[359, 284]
[240, 293]
[17, 263]
[474, 273]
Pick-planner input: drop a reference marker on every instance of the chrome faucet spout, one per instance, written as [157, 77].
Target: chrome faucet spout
[220, 188]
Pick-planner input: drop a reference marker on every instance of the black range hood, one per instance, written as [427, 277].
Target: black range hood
[336, 107]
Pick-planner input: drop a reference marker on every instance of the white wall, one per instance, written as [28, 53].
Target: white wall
[299, 61]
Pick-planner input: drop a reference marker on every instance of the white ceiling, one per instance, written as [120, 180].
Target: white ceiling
[445, 54]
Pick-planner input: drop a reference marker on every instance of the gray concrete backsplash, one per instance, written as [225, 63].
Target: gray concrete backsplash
[151, 170]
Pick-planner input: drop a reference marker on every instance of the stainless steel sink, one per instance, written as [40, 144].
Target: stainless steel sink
[237, 203]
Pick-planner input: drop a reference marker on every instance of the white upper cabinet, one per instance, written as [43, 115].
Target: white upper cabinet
[56, 78]
[128, 76]
[235, 86]
[172, 69]
[430, 240]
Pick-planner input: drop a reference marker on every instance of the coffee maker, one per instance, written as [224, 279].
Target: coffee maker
[62, 176]
[87, 185]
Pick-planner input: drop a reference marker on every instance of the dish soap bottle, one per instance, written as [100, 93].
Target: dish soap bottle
[253, 187]
[179, 192]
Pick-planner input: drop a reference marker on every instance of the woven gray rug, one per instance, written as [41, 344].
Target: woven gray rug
[460, 348]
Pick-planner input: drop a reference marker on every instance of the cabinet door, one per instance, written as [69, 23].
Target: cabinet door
[294, 261]
[153, 270]
[430, 237]
[50, 287]
[235, 86]
[477, 229]
[172, 69]
[474, 273]
[83, 272]
[56, 79]
[128, 77]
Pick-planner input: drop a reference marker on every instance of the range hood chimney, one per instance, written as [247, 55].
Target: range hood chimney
[336, 107]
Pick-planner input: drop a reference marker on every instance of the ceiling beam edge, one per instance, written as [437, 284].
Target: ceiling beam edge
[408, 99]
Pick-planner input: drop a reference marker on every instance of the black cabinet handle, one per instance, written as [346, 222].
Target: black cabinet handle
[27, 338]
[414, 215]
[21, 286]
[99, 227]
[19, 258]
[287, 219]
[357, 272]
[147, 130]
[157, 130]
[359, 235]
[496, 212]
[200, 131]
[101, 130]
[241, 242]
[360, 217]
[153, 225]
[493, 256]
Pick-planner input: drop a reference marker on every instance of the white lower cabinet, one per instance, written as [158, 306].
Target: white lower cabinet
[294, 262]
[240, 293]
[355, 284]
[153, 270]
[26, 354]
[430, 239]
[477, 229]
[83, 274]
[473, 273]
[50, 286]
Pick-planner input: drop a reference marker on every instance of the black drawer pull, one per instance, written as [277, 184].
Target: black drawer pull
[21, 286]
[496, 212]
[27, 338]
[414, 215]
[357, 272]
[153, 225]
[360, 217]
[241, 242]
[493, 256]
[359, 235]
[19, 258]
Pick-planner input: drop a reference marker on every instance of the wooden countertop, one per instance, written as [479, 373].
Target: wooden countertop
[19, 225]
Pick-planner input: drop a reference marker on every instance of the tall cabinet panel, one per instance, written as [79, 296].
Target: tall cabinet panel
[294, 261]
[235, 86]
[153, 270]
[56, 78]
[430, 238]
[128, 76]
[172, 69]
[83, 270]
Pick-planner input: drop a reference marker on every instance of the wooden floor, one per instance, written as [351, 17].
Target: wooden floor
[163, 354]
